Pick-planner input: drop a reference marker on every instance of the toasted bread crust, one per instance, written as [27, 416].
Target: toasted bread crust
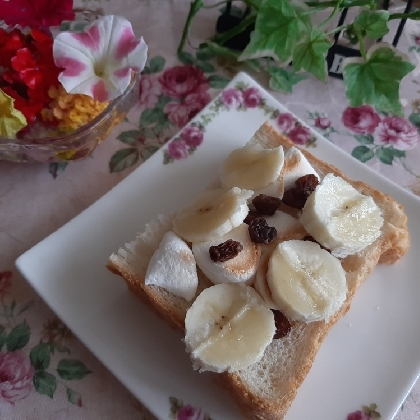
[253, 402]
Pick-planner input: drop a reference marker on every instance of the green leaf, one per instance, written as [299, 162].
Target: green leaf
[26, 307]
[72, 369]
[156, 64]
[18, 337]
[376, 82]
[162, 101]
[279, 27]
[74, 397]
[362, 153]
[45, 383]
[57, 168]
[385, 155]
[310, 55]
[415, 119]
[206, 67]
[372, 24]
[186, 58]
[151, 116]
[218, 82]
[149, 151]
[3, 336]
[367, 139]
[129, 137]
[204, 53]
[397, 153]
[40, 356]
[123, 159]
[283, 80]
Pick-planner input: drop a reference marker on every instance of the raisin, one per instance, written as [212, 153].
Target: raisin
[304, 186]
[225, 251]
[251, 216]
[260, 232]
[265, 204]
[283, 326]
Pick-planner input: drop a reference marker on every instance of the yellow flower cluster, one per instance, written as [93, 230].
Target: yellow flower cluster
[71, 111]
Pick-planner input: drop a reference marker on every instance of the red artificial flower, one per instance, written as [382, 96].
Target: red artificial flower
[10, 42]
[29, 108]
[36, 13]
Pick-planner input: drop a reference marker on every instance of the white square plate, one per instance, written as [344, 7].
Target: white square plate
[371, 355]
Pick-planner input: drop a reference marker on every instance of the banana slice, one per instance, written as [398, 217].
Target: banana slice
[228, 328]
[260, 283]
[306, 282]
[341, 218]
[240, 269]
[213, 214]
[252, 167]
[172, 267]
[295, 166]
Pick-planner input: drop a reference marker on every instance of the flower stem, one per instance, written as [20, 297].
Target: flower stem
[333, 13]
[225, 36]
[195, 6]
[361, 43]
[337, 29]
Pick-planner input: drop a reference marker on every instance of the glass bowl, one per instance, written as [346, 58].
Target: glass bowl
[79, 143]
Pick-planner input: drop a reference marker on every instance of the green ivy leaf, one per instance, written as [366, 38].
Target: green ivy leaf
[376, 82]
[310, 55]
[40, 356]
[367, 139]
[218, 82]
[3, 336]
[18, 337]
[385, 155]
[279, 27]
[129, 137]
[123, 159]
[74, 397]
[72, 369]
[186, 58]
[45, 383]
[282, 79]
[362, 153]
[156, 64]
[372, 24]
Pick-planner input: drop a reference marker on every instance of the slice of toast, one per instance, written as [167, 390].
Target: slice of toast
[266, 389]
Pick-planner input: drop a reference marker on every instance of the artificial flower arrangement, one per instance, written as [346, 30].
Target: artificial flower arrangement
[51, 85]
[285, 38]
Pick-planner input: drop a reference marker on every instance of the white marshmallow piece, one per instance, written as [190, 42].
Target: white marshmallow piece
[295, 166]
[173, 267]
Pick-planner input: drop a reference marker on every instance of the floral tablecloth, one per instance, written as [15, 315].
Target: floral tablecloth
[45, 372]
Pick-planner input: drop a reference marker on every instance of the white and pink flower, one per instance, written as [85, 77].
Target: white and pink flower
[192, 136]
[16, 375]
[149, 92]
[285, 122]
[188, 412]
[178, 149]
[361, 120]
[397, 132]
[232, 98]
[300, 135]
[252, 97]
[99, 62]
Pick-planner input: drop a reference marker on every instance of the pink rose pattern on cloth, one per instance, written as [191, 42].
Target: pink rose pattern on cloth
[149, 92]
[16, 375]
[393, 131]
[188, 412]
